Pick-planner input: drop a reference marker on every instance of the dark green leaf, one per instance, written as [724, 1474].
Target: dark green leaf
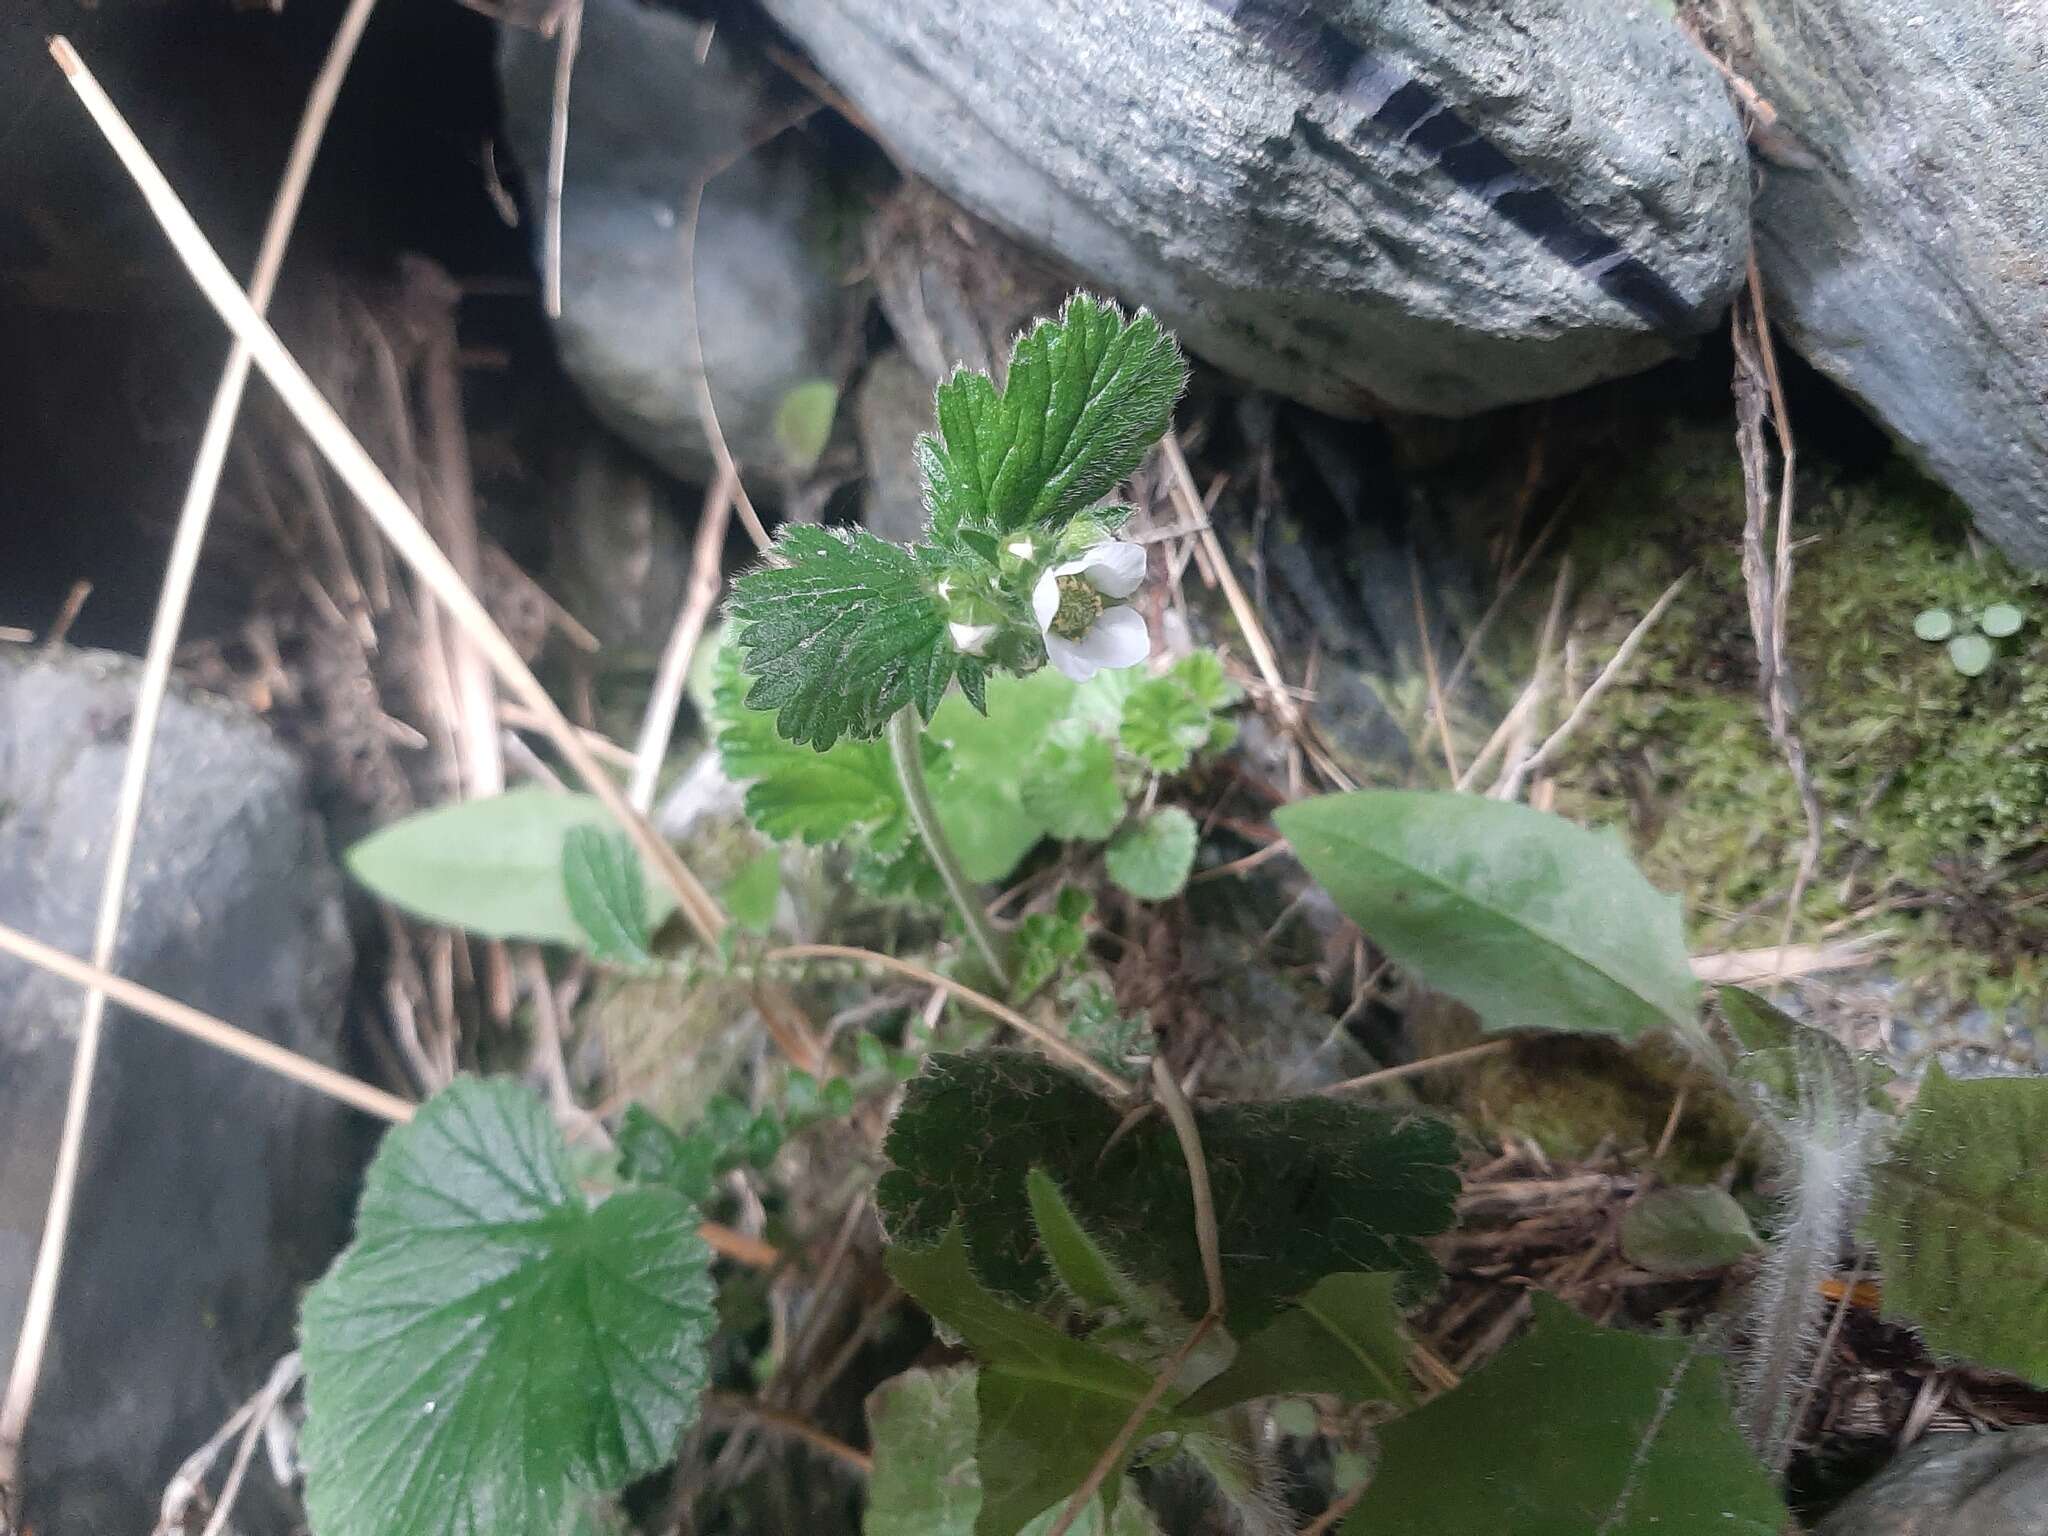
[1303, 1188]
[1687, 1231]
[1528, 920]
[1961, 1221]
[1049, 1404]
[651, 1153]
[492, 867]
[842, 637]
[491, 1349]
[607, 895]
[1085, 397]
[1344, 1337]
[1574, 1430]
[1151, 858]
[1046, 941]
[924, 1427]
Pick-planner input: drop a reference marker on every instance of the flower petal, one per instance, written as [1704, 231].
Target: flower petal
[1045, 597]
[1116, 568]
[971, 639]
[1067, 656]
[1117, 639]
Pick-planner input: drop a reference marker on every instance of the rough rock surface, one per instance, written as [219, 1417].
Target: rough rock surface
[1956, 1485]
[1357, 203]
[646, 121]
[211, 1191]
[1906, 256]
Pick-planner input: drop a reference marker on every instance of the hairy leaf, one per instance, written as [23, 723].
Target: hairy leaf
[1151, 858]
[1070, 784]
[980, 797]
[924, 1427]
[1574, 1430]
[1303, 1188]
[607, 895]
[1085, 397]
[1961, 1221]
[1528, 920]
[1077, 1260]
[1344, 1337]
[1049, 1404]
[1687, 1231]
[490, 1349]
[842, 637]
[491, 867]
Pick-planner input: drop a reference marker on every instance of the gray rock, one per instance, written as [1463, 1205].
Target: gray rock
[1902, 246]
[891, 407]
[1956, 1485]
[1334, 199]
[646, 121]
[210, 1190]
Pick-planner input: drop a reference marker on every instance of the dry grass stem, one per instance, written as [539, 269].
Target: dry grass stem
[1510, 787]
[1409, 1069]
[379, 498]
[193, 516]
[1054, 1045]
[566, 41]
[673, 672]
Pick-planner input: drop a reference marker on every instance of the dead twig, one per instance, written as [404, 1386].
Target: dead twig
[1410, 1069]
[706, 577]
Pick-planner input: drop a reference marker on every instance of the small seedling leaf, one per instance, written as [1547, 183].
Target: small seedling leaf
[1971, 655]
[1687, 1231]
[2000, 620]
[1151, 858]
[1934, 624]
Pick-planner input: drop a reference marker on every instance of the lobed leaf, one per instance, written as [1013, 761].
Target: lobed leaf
[1528, 920]
[491, 1351]
[1151, 858]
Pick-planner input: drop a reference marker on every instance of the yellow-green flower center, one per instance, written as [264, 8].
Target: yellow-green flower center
[1080, 606]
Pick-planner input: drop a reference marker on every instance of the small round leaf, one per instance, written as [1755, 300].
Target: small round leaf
[1970, 653]
[1934, 624]
[2000, 620]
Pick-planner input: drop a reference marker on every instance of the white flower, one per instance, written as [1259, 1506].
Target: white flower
[1086, 628]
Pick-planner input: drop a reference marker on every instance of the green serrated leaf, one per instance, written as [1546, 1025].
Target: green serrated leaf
[1151, 858]
[1070, 784]
[1164, 725]
[1573, 1430]
[924, 1427]
[1085, 397]
[490, 1349]
[1344, 1338]
[1961, 1221]
[1303, 1188]
[607, 895]
[841, 637]
[1048, 1404]
[1528, 920]
[1688, 1230]
[651, 1153]
[491, 867]
[1045, 942]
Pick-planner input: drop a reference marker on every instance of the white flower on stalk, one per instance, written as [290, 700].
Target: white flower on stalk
[1078, 605]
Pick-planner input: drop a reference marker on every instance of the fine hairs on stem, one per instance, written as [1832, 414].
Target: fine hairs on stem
[1824, 1151]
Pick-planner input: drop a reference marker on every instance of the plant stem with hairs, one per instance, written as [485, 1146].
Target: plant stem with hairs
[906, 751]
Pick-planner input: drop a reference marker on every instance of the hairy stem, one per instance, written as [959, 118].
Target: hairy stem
[906, 751]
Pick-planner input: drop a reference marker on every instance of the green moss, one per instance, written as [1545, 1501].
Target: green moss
[1935, 785]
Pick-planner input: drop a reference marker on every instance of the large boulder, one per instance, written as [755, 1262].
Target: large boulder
[648, 119]
[210, 1190]
[1956, 1485]
[1902, 233]
[1360, 204]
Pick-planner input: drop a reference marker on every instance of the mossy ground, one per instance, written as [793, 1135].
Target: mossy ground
[1935, 785]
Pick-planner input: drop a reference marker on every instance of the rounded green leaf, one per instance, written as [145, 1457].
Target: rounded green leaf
[1971, 654]
[1686, 1231]
[1151, 858]
[491, 1350]
[2000, 620]
[803, 422]
[1934, 624]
